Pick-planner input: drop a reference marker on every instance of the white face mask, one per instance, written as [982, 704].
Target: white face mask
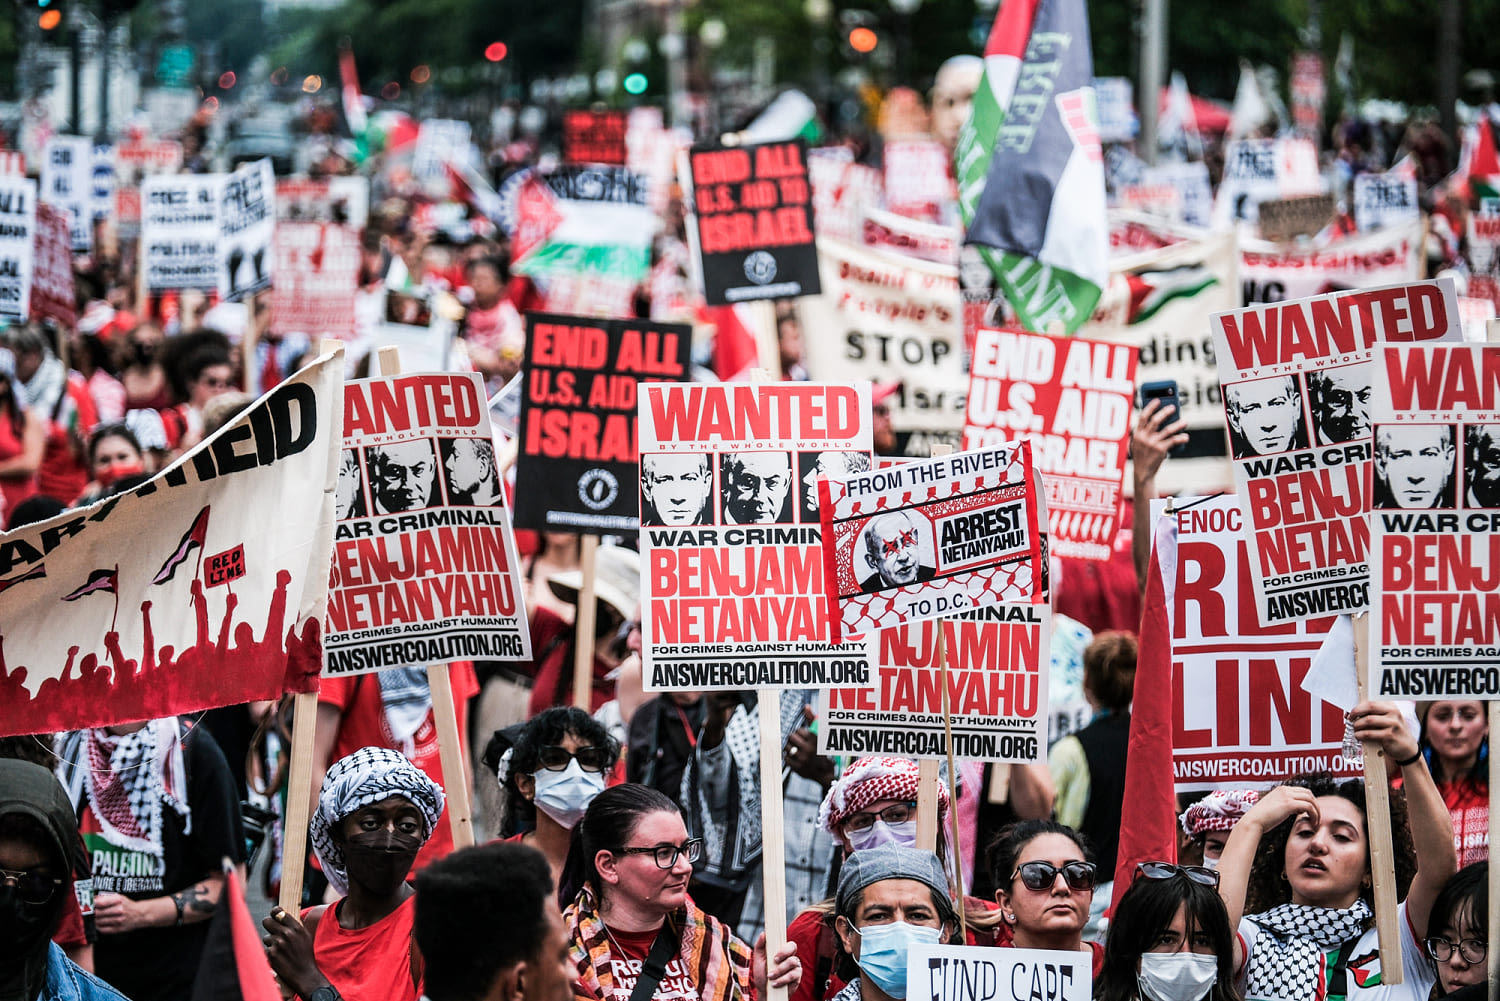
[565, 795]
[1177, 976]
[1210, 863]
[881, 833]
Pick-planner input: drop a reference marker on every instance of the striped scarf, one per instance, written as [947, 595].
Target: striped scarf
[718, 962]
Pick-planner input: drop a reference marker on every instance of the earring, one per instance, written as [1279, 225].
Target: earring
[1283, 877]
[1010, 918]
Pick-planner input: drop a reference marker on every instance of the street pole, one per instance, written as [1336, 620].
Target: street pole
[75, 79]
[1152, 74]
[103, 136]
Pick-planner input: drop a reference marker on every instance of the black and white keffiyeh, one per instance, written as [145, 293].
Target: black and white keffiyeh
[408, 700]
[369, 775]
[1288, 954]
[127, 780]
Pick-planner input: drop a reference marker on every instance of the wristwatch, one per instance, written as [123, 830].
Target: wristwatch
[326, 993]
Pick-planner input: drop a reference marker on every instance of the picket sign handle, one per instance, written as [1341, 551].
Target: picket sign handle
[772, 838]
[927, 804]
[444, 713]
[298, 801]
[1378, 823]
[583, 620]
[1494, 915]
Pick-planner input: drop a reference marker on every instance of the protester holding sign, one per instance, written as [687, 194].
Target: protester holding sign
[1044, 882]
[890, 899]
[633, 908]
[1296, 877]
[1170, 939]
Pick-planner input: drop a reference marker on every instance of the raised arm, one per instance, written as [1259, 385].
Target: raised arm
[1152, 439]
[1276, 806]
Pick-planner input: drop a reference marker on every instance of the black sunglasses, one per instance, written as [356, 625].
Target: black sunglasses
[1166, 870]
[31, 887]
[1042, 875]
[555, 759]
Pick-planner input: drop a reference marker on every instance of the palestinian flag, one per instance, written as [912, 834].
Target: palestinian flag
[1031, 180]
[234, 966]
[1151, 290]
[192, 539]
[99, 580]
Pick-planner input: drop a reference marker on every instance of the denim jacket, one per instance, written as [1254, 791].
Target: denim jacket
[66, 981]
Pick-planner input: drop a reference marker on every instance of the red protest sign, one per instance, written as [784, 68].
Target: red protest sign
[317, 279]
[221, 568]
[594, 137]
[1071, 397]
[52, 294]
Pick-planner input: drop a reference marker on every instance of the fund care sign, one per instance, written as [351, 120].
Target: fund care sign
[731, 544]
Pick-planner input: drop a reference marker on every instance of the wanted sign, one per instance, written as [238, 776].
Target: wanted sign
[1241, 718]
[17, 247]
[424, 561]
[731, 542]
[1436, 523]
[1072, 399]
[180, 231]
[997, 661]
[1296, 380]
[52, 294]
[933, 537]
[976, 973]
[247, 219]
[578, 420]
[751, 223]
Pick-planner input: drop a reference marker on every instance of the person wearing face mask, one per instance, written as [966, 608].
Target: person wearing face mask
[375, 811]
[558, 763]
[113, 453]
[38, 854]
[1207, 824]
[890, 899]
[1170, 939]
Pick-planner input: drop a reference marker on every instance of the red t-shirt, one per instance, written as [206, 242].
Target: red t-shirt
[368, 964]
[626, 960]
[552, 646]
[1468, 804]
[364, 725]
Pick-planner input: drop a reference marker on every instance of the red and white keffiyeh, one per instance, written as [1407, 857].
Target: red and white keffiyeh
[871, 780]
[1220, 810]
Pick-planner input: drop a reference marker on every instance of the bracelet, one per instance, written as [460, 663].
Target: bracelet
[177, 899]
[1409, 761]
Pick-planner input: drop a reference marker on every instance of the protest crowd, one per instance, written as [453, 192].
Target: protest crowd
[613, 564]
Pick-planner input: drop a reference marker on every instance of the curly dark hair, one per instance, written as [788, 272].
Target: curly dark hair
[546, 728]
[1268, 887]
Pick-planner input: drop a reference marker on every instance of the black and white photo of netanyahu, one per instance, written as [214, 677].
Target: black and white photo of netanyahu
[1265, 416]
[1340, 402]
[675, 487]
[469, 464]
[403, 476]
[834, 464]
[756, 488]
[1414, 466]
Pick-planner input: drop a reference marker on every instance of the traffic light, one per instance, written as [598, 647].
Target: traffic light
[496, 51]
[635, 83]
[49, 16]
[861, 36]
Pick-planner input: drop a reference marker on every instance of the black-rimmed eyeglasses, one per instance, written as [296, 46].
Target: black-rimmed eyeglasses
[666, 855]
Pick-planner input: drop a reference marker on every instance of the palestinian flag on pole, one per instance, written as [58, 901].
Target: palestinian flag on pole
[1031, 180]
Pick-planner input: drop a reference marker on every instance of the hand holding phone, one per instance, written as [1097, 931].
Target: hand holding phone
[1165, 393]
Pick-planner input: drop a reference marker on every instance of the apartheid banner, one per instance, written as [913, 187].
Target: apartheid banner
[1241, 718]
[1271, 272]
[594, 136]
[317, 279]
[1071, 398]
[1388, 199]
[180, 231]
[17, 247]
[1159, 300]
[204, 586]
[247, 218]
[1297, 379]
[579, 456]
[892, 318]
[52, 295]
[997, 690]
[967, 973]
[68, 183]
[751, 225]
[1436, 523]
[932, 538]
[424, 560]
[731, 541]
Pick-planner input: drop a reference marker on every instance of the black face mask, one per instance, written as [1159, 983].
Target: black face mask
[145, 354]
[379, 860]
[25, 929]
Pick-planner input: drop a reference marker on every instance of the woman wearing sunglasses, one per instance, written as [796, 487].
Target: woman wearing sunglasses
[1044, 882]
[559, 762]
[1458, 941]
[635, 932]
[1170, 939]
[1297, 869]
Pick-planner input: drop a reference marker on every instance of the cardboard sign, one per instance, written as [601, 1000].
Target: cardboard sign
[1483, 247]
[17, 246]
[594, 136]
[579, 453]
[1296, 380]
[739, 602]
[916, 179]
[751, 224]
[1388, 199]
[317, 279]
[1272, 272]
[1283, 219]
[1190, 181]
[898, 234]
[52, 294]
[67, 184]
[976, 973]
[843, 192]
[891, 318]
[180, 231]
[424, 561]
[101, 183]
[1241, 716]
[247, 218]
[933, 537]
[107, 614]
[411, 324]
[1436, 523]
[1072, 399]
[342, 200]
[997, 690]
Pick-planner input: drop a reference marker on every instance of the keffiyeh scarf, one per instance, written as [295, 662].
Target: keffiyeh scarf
[1287, 960]
[408, 700]
[369, 775]
[127, 780]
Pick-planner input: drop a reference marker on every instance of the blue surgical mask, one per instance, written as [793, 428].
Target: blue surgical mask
[565, 795]
[1177, 976]
[883, 950]
[881, 833]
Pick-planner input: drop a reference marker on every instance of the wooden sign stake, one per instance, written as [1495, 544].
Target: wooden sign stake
[583, 622]
[1493, 955]
[1378, 823]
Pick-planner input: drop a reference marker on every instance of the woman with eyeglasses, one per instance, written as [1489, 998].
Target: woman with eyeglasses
[1170, 939]
[1044, 882]
[636, 934]
[1459, 933]
[1296, 869]
[559, 762]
